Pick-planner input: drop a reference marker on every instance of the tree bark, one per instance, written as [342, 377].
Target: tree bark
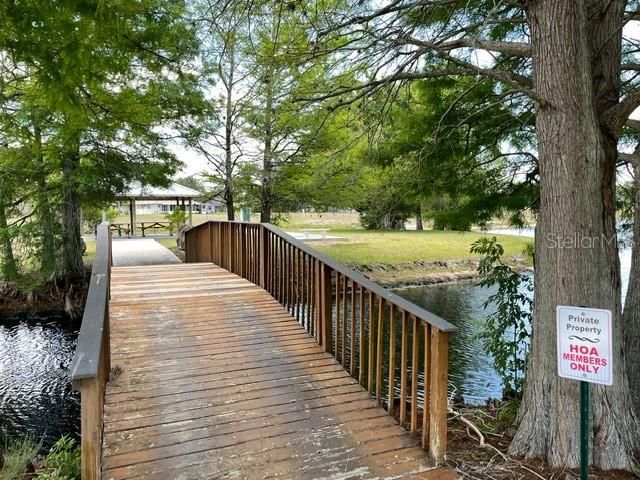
[419, 225]
[45, 215]
[228, 135]
[72, 264]
[632, 303]
[266, 197]
[9, 267]
[576, 250]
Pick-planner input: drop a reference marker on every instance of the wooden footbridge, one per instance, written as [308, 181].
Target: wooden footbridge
[258, 358]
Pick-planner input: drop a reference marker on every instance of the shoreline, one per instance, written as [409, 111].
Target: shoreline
[66, 296]
[427, 273]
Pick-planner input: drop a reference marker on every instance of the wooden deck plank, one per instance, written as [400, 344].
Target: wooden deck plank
[217, 380]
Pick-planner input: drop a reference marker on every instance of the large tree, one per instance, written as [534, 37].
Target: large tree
[100, 86]
[571, 60]
[217, 133]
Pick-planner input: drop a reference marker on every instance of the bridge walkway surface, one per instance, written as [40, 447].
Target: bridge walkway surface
[212, 378]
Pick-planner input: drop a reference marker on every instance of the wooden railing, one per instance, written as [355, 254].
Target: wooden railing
[395, 349]
[91, 363]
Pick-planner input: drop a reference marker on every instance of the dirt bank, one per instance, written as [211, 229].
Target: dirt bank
[430, 272]
[68, 295]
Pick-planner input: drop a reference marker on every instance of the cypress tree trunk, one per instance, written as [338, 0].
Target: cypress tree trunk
[266, 197]
[45, 215]
[9, 267]
[574, 71]
[632, 303]
[72, 264]
[228, 136]
[419, 225]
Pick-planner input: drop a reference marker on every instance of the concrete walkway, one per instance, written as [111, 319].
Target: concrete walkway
[140, 251]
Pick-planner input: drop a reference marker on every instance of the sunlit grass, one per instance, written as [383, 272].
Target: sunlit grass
[369, 247]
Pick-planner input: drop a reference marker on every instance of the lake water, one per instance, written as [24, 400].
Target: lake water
[470, 368]
[36, 398]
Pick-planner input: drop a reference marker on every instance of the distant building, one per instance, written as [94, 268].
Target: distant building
[159, 200]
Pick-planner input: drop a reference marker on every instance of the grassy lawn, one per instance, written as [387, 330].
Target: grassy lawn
[170, 243]
[370, 247]
[330, 221]
[91, 252]
[361, 247]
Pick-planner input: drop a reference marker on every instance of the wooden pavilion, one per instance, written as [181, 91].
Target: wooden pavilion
[182, 195]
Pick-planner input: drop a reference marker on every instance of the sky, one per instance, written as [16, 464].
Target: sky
[195, 163]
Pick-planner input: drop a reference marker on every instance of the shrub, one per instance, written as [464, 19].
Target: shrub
[17, 457]
[176, 219]
[506, 332]
[62, 462]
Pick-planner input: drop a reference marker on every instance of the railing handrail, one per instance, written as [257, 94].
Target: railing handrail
[86, 360]
[411, 308]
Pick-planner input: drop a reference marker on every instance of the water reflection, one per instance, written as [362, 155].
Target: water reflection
[470, 367]
[36, 398]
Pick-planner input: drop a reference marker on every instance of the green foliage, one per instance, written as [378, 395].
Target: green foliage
[177, 218]
[506, 332]
[93, 215]
[507, 414]
[87, 94]
[444, 139]
[17, 457]
[62, 462]
[626, 195]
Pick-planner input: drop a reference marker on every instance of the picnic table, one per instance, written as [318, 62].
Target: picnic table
[307, 231]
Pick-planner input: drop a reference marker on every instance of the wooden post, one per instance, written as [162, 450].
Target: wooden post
[438, 411]
[130, 215]
[242, 245]
[133, 217]
[229, 246]
[190, 213]
[264, 258]
[326, 312]
[209, 240]
[90, 428]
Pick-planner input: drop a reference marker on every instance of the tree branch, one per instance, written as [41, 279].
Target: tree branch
[618, 115]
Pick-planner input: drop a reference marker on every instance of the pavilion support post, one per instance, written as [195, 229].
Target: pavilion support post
[130, 214]
[190, 213]
[133, 217]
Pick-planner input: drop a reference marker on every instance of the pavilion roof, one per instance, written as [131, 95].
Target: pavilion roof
[145, 192]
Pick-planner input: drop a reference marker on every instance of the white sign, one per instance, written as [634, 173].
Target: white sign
[584, 344]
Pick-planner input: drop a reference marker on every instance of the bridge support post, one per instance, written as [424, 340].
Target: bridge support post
[265, 258]
[438, 410]
[326, 303]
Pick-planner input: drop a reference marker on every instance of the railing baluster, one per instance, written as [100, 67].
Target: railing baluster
[352, 349]
[392, 356]
[361, 339]
[371, 350]
[345, 281]
[414, 376]
[379, 351]
[426, 413]
[403, 369]
[326, 308]
[298, 285]
[337, 338]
